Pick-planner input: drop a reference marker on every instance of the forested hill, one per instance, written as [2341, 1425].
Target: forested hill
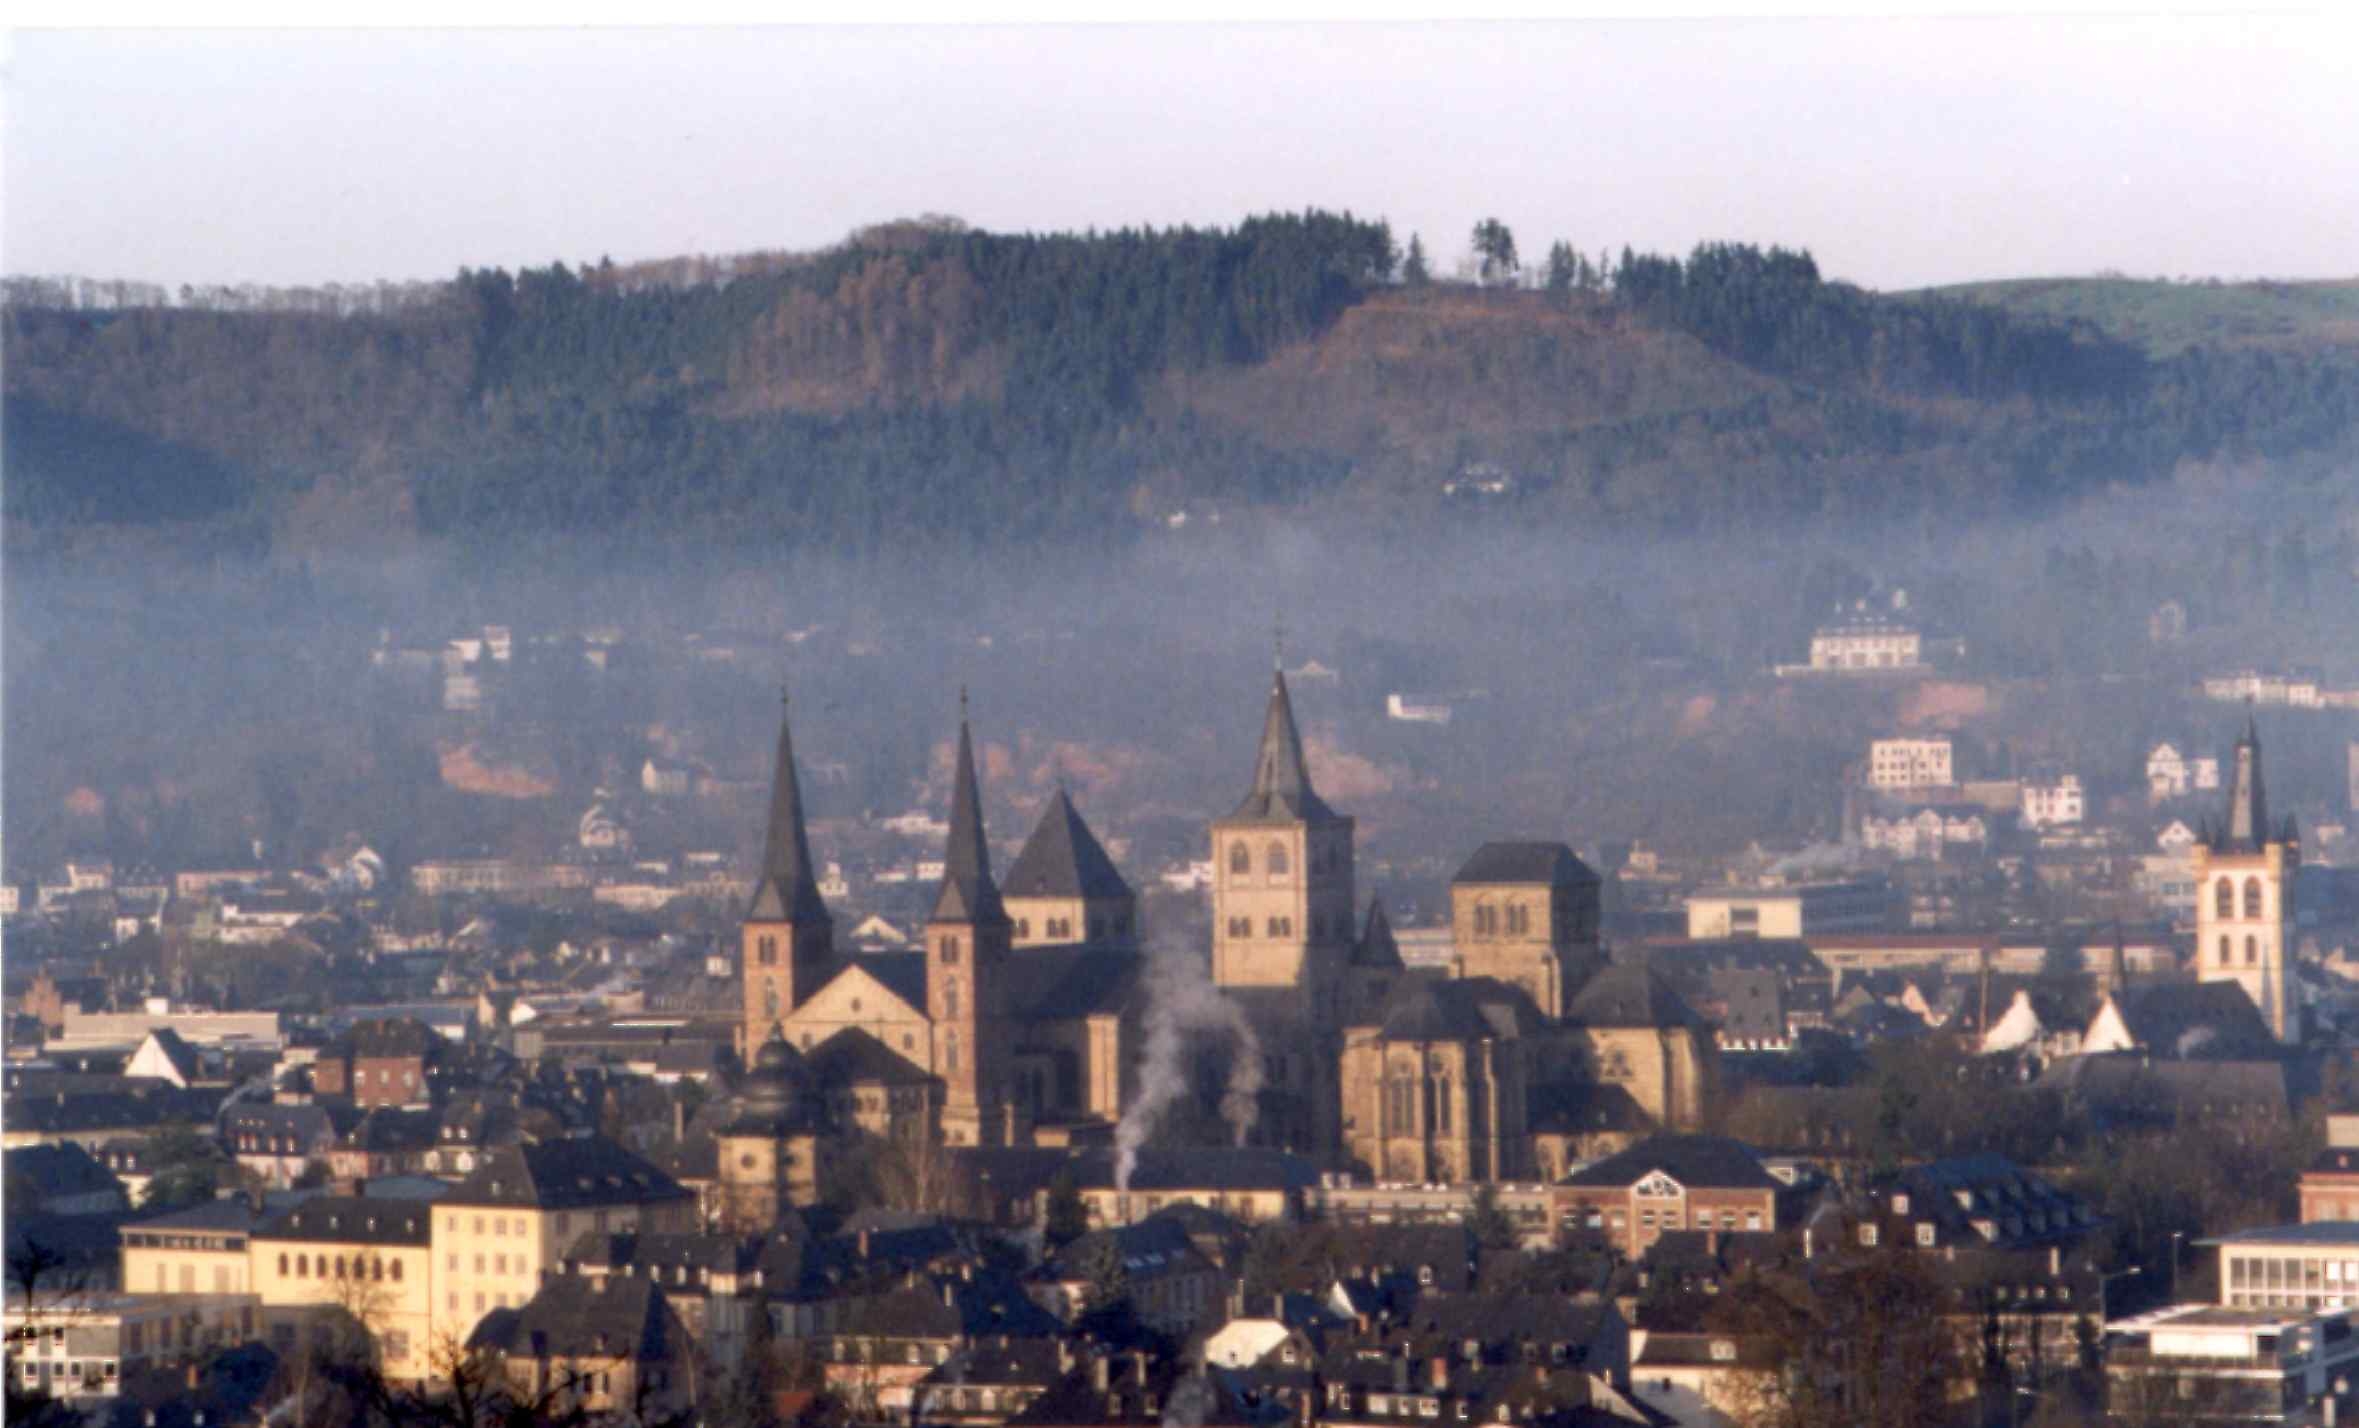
[928, 382]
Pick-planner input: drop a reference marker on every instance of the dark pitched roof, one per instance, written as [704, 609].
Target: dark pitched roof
[574, 1316]
[2125, 1089]
[1377, 946]
[902, 973]
[852, 1055]
[1063, 858]
[1060, 983]
[564, 1174]
[1281, 791]
[54, 1170]
[389, 1128]
[968, 895]
[391, 1037]
[2194, 1020]
[651, 1253]
[788, 891]
[183, 1056]
[1432, 1009]
[1629, 994]
[2248, 798]
[1510, 862]
[347, 1219]
[230, 1214]
[1695, 1161]
[1028, 1170]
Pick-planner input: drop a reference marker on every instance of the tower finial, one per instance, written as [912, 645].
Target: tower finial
[962, 704]
[1278, 642]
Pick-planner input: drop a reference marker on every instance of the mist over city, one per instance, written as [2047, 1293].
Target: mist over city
[951, 779]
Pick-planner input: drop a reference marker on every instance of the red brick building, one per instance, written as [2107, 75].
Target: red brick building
[378, 1063]
[1669, 1182]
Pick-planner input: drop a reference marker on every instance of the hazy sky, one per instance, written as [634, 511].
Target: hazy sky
[1903, 152]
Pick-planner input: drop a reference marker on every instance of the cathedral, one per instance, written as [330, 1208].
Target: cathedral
[1018, 1022]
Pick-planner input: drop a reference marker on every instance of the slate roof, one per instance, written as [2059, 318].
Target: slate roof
[902, 973]
[1024, 1170]
[176, 1049]
[230, 1214]
[788, 891]
[852, 1056]
[1376, 946]
[1063, 858]
[2194, 1020]
[1281, 791]
[565, 1174]
[1060, 983]
[350, 1219]
[1553, 864]
[1581, 1107]
[1712, 1162]
[385, 1037]
[1149, 1248]
[312, 1123]
[1630, 994]
[65, 1113]
[1075, 1400]
[2127, 1089]
[58, 1170]
[390, 1129]
[968, 894]
[573, 1316]
[649, 1254]
[1432, 1009]
[1752, 1003]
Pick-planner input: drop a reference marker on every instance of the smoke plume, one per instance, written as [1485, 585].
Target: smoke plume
[1182, 1000]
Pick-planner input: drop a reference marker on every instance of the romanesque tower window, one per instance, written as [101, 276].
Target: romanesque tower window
[1519, 920]
[767, 951]
[2252, 950]
[2224, 899]
[1241, 859]
[2252, 898]
[769, 999]
[2223, 949]
[949, 951]
[1278, 866]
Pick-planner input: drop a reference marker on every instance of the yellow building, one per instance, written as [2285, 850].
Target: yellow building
[1527, 914]
[524, 1207]
[200, 1250]
[338, 1263]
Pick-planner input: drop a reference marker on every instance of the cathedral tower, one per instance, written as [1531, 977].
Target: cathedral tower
[1282, 934]
[1063, 889]
[2244, 876]
[968, 941]
[786, 947]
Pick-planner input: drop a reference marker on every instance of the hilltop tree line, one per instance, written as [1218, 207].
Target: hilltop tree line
[930, 381]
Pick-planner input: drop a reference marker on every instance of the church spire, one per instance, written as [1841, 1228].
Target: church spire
[2248, 800]
[968, 894]
[788, 892]
[1281, 780]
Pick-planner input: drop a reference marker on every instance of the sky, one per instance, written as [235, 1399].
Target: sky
[1903, 152]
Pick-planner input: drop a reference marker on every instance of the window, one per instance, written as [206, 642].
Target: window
[2223, 949]
[1486, 920]
[2252, 898]
[2252, 950]
[397, 1271]
[1241, 927]
[1724, 1351]
[1241, 860]
[2224, 899]
[282, 1266]
[950, 951]
[1277, 861]
[1867, 1236]
[1519, 919]
[1023, 927]
[302, 1267]
[1926, 1235]
[767, 952]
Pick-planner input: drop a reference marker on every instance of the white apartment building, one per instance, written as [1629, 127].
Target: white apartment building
[2053, 803]
[2169, 774]
[1910, 763]
[1863, 642]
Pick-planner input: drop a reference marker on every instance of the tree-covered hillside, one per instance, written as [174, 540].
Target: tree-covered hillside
[928, 382]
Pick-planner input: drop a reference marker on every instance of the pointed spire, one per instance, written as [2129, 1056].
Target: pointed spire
[968, 894]
[788, 892]
[2248, 799]
[1377, 946]
[1281, 780]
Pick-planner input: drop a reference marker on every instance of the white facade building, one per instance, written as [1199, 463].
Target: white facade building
[1910, 763]
[2053, 803]
[1864, 643]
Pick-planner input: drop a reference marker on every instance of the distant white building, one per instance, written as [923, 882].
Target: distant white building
[1925, 833]
[1416, 709]
[2053, 803]
[1862, 641]
[1910, 763]
[2169, 774]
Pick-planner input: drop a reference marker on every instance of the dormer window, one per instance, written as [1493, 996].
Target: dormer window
[1900, 1203]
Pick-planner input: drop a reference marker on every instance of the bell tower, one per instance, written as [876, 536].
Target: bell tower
[968, 941]
[2244, 873]
[786, 946]
[1282, 900]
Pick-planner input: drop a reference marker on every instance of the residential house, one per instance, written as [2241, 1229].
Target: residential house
[1668, 1183]
[611, 1346]
[334, 1262]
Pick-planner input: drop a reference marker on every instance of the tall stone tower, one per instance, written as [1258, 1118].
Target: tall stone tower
[1282, 929]
[786, 946]
[968, 941]
[2244, 875]
[1527, 913]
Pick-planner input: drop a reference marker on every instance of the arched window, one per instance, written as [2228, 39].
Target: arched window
[949, 951]
[2252, 950]
[2223, 949]
[950, 997]
[282, 1266]
[950, 1052]
[1278, 866]
[2252, 898]
[376, 1269]
[1240, 860]
[767, 950]
[769, 998]
[397, 1271]
[303, 1266]
[2224, 899]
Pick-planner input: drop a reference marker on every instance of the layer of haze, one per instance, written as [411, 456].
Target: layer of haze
[1904, 152]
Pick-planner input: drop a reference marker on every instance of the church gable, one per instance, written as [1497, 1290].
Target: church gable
[857, 997]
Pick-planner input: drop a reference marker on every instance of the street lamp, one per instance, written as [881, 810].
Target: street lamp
[2104, 1285]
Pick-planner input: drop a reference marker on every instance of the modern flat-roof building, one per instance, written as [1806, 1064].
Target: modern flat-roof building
[2201, 1363]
